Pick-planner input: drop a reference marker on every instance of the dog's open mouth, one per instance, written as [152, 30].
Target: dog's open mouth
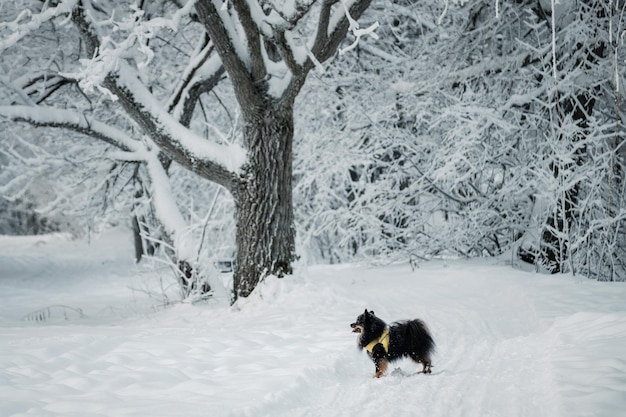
[356, 328]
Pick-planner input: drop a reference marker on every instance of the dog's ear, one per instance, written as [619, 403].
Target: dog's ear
[366, 312]
[371, 312]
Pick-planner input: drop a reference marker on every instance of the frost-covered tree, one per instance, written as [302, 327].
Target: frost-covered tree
[134, 75]
[468, 144]
[584, 229]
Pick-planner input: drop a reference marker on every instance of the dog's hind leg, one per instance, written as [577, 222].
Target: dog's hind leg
[425, 361]
[426, 365]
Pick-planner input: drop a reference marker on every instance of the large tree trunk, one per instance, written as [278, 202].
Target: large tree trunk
[264, 216]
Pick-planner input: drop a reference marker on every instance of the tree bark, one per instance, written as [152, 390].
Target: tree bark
[264, 213]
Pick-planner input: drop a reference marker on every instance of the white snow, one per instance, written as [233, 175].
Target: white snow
[509, 343]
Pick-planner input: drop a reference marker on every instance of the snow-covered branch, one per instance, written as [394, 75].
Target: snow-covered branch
[203, 73]
[253, 39]
[177, 141]
[332, 26]
[220, 162]
[166, 209]
[26, 22]
[67, 119]
[354, 27]
[231, 47]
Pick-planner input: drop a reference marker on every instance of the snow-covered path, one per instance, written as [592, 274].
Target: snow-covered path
[509, 343]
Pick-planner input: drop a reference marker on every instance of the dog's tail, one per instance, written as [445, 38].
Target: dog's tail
[420, 337]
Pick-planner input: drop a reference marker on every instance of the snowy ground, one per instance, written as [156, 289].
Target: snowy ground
[510, 343]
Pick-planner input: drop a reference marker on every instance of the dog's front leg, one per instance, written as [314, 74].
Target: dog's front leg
[381, 367]
[379, 356]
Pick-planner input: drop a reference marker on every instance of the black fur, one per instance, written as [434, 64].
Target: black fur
[409, 338]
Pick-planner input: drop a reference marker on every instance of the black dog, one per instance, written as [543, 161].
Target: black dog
[386, 344]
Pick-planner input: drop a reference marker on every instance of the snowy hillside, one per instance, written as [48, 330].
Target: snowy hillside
[77, 341]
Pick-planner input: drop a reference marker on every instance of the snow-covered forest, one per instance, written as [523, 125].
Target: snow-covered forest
[404, 130]
[325, 131]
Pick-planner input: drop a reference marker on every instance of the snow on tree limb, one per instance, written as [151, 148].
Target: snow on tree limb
[253, 36]
[333, 26]
[268, 23]
[356, 30]
[107, 51]
[129, 150]
[221, 28]
[21, 94]
[67, 119]
[167, 211]
[26, 22]
[166, 131]
[202, 74]
[487, 65]
[220, 163]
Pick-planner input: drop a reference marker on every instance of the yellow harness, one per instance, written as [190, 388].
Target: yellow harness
[383, 340]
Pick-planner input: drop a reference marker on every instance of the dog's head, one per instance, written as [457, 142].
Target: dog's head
[362, 322]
